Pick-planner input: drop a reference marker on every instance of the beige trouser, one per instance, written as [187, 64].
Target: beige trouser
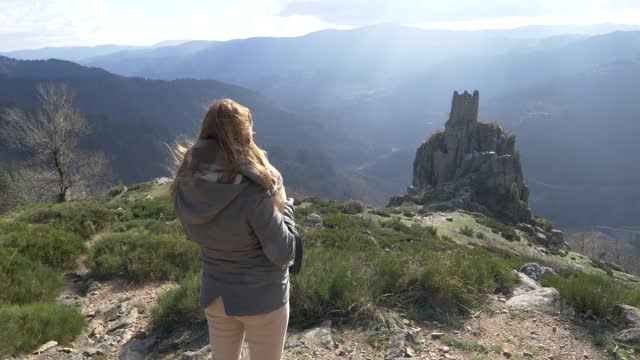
[265, 333]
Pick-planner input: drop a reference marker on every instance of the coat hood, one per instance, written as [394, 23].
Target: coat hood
[199, 201]
[199, 197]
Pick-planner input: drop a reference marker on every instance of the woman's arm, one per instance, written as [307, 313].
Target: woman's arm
[278, 241]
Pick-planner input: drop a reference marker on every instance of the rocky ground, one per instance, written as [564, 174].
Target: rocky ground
[529, 325]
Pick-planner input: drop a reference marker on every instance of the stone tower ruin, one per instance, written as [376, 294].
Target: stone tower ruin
[464, 107]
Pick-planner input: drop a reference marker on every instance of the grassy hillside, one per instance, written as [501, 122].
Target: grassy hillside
[363, 266]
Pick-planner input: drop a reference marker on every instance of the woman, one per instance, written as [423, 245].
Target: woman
[232, 202]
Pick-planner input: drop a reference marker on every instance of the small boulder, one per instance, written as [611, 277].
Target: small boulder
[525, 284]
[162, 180]
[320, 336]
[557, 237]
[46, 346]
[543, 299]
[313, 220]
[540, 230]
[137, 349]
[526, 228]
[202, 354]
[629, 336]
[532, 270]
[629, 314]
[542, 238]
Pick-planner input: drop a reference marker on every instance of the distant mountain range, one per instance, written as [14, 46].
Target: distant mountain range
[77, 53]
[360, 102]
[134, 118]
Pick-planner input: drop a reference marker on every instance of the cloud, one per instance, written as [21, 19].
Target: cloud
[363, 12]
[40, 23]
[34, 23]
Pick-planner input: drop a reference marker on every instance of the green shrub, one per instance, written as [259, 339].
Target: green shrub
[149, 208]
[382, 213]
[153, 209]
[143, 256]
[24, 281]
[593, 293]
[510, 235]
[116, 190]
[332, 282]
[178, 306]
[323, 206]
[351, 284]
[42, 243]
[24, 328]
[342, 221]
[84, 218]
[456, 279]
[496, 227]
[141, 187]
[601, 265]
[466, 231]
[157, 227]
[480, 235]
[353, 207]
[397, 225]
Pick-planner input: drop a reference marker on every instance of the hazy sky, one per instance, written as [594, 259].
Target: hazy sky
[39, 23]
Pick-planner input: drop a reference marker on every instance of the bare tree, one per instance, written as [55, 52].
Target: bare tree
[51, 135]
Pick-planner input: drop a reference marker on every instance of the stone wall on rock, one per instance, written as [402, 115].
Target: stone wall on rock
[471, 164]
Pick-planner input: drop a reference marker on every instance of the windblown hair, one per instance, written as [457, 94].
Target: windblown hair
[231, 125]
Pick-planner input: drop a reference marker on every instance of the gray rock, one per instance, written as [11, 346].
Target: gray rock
[312, 220]
[526, 228]
[525, 284]
[92, 285]
[46, 346]
[94, 351]
[320, 336]
[542, 238]
[557, 237]
[202, 354]
[540, 230]
[543, 300]
[179, 338]
[399, 339]
[130, 319]
[624, 355]
[532, 270]
[118, 310]
[629, 314]
[544, 251]
[163, 180]
[629, 336]
[137, 349]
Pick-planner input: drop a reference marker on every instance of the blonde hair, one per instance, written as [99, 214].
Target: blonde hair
[231, 125]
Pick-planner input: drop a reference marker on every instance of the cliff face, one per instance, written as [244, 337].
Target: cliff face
[471, 165]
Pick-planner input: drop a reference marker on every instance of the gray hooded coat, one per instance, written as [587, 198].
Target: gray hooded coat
[244, 241]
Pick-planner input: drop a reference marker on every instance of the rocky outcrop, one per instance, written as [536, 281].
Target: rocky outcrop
[529, 296]
[471, 165]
